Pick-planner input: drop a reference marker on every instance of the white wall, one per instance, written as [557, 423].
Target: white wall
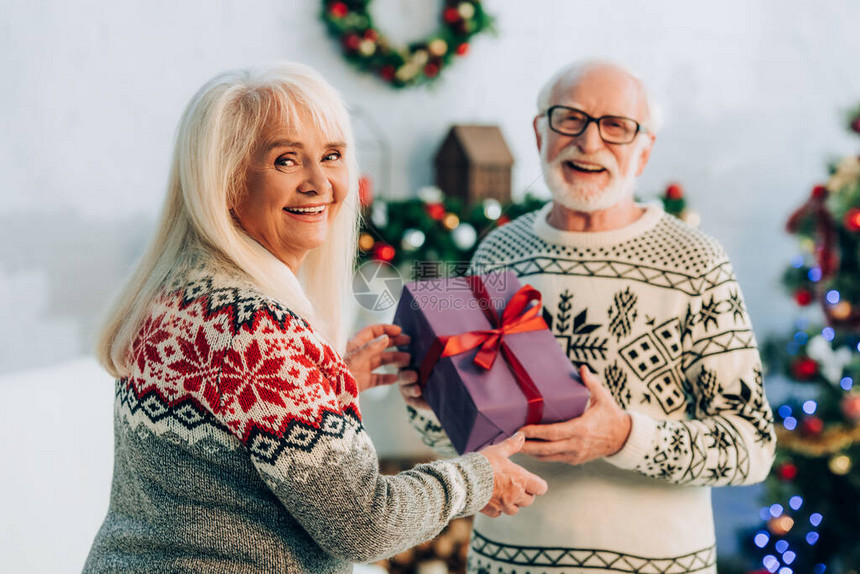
[754, 93]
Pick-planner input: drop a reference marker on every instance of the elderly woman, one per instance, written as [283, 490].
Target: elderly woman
[239, 442]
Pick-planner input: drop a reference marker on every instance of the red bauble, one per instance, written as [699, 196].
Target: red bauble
[787, 471]
[803, 297]
[804, 369]
[371, 35]
[811, 425]
[674, 191]
[462, 49]
[383, 252]
[451, 15]
[435, 210]
[365, 190]
[819, 192]
[431, 69]
[387, 73]
[338, 10]
[852, 219]
[503, 220]
[351, 42]
[851, 407]
[855, 125]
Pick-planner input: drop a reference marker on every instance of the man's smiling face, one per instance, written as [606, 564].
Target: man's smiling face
[583, 172]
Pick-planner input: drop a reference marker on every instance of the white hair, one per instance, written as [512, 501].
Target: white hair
[576, 70]
[216, 134]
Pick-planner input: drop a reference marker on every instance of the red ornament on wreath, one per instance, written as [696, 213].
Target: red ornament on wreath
[431, 70]
[338, 10]
[351, 42]
[855, 125]
[804, 369]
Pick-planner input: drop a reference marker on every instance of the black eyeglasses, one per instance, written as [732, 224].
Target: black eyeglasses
[613, 129]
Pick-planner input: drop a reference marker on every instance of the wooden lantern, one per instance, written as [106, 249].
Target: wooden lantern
[474, 163]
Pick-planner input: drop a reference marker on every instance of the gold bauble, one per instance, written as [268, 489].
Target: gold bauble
[367, 48]
[420, 57]
[438, 47]
[839, 464]
[780, 525]
[407, 71]
[841, 310]
[450, 221]
[366, 242]
[466, 10]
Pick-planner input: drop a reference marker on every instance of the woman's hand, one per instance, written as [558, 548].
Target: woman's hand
[513, 486]
[367, 350]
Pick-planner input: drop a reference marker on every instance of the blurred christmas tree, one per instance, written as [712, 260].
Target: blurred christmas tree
[812, 522]
[434, 235]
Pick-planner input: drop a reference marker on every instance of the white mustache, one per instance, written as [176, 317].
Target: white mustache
[605, 159]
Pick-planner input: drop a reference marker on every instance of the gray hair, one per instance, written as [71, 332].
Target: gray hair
[577, 69]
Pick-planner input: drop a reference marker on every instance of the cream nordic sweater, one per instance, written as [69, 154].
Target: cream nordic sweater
[655, 310]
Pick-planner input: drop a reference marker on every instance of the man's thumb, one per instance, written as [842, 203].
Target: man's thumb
[381, 342]
[591, 382]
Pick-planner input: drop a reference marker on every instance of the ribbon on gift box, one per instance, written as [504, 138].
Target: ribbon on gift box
[516, 318]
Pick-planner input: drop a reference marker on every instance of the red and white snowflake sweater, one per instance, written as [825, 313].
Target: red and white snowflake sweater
[239, 448]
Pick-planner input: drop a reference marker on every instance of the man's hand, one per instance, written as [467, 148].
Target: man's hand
[513, 486]
[411, 389]
[601, 430]
[367, 350]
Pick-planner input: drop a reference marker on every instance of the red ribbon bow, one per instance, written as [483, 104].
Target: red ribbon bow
[516, 318]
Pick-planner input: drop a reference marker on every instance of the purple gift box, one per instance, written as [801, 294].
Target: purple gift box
[479, 407]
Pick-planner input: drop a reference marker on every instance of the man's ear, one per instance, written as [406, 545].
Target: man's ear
[538, 139]
[645, 154]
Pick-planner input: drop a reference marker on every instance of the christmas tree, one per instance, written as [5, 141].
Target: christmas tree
[435, 235]
[811, 523]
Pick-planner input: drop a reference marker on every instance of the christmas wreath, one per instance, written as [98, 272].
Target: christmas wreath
[418, 63]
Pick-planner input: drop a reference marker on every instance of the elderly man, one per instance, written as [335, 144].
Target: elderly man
[653, 308]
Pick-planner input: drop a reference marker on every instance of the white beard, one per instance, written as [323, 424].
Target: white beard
[581, 196]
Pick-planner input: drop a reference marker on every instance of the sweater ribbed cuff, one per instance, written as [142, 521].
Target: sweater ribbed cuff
[642, 432]
[478, 472]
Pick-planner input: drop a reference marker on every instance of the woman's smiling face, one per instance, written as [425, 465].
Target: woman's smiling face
[296, 181]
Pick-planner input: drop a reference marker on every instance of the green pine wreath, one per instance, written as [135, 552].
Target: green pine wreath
[418, 63]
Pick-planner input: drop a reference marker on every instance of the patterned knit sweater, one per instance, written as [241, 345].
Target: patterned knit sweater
[655, 310]
[240, 448]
